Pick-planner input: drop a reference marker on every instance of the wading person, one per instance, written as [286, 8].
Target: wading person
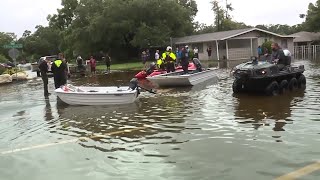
[169, 58]
[178, 55]
[144, 58]
[185, 60]
[108, 62]
[209, 51]
[93, 65]
[44, 70]
[59, 69]
[259, 52]
[196, 52]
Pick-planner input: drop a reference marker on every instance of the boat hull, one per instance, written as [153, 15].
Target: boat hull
[143, 75]
[175, 79]
[98, 98]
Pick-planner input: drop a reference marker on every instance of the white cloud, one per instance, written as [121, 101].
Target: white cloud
[19, 15]
[253, 12]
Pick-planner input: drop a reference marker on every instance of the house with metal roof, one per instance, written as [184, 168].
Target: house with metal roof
[304, 38]
[234, 44]
[306, 44]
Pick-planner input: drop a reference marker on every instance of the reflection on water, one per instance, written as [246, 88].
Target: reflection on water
[259, 110]
[191, 133]
[47, 111]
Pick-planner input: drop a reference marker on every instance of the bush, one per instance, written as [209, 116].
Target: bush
[2, 70]
[11, 71]
[3, 59]
[267, 45]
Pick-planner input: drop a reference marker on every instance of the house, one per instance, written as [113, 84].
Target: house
[306, 45]
[233, 45]
[304, 38]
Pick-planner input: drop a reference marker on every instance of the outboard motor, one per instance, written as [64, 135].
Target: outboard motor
[197, 63]
[133, 84]
[151, 68]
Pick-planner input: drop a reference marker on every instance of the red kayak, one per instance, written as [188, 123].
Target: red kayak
[144, 74]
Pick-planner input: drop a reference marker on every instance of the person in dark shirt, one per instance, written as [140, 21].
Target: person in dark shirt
[44, 70]
[108, 62]
[278, 56]
[185, 60]
[59, 69]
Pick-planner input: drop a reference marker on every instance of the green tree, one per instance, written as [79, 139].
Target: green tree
[127, 25]
[267, 45]
[44, 41]
[281, 29]
[313, 17]
[3, 59]
[189, 4]
[5, 38]
[219, 15]
[223, 20]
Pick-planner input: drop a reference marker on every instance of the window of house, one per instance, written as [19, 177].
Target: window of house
[199, 46]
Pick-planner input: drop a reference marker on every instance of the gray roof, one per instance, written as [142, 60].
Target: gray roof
[222, 35]
[304, 36]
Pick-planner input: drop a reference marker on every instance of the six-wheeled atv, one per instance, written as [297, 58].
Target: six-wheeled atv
[265, 77]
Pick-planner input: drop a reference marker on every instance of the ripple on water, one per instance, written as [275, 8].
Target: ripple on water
[193, 131]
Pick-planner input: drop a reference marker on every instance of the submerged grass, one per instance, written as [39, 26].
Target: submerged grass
[122, 66]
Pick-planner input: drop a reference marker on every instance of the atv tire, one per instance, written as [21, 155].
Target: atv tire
[293, 84]
[236, 87]
[272, 89]
[283, 87]
[302, 82]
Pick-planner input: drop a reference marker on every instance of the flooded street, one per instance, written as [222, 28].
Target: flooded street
[203, 132]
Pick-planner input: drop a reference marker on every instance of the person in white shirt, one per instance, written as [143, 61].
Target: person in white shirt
[156, 55]
[196, 52]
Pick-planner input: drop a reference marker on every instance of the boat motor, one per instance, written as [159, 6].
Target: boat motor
[151, 68]
[133, 84]
[197, 63]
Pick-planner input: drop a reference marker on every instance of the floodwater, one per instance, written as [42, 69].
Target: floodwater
[204, 132]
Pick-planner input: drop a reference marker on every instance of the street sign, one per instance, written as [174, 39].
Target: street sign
[14, 53]
[13, 45]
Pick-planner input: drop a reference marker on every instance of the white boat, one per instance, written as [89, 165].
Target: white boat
[179, 79]
[74, 95]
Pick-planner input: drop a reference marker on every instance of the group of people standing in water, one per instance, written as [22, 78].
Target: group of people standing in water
[170, 59]
[59, 69]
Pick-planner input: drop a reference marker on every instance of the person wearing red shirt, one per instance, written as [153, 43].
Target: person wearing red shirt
[93, 65]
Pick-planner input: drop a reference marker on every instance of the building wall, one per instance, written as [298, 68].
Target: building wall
[237, 49]
[240, 48]
[291, 45]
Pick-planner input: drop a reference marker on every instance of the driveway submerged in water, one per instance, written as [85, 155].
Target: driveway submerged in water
[204, 132]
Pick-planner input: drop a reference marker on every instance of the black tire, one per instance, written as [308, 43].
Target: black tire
[236, 87]
[302, 82]
[293, 84]
[283, 87]
[272, 89]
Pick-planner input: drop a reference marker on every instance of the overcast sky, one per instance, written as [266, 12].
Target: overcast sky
[19, 15]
